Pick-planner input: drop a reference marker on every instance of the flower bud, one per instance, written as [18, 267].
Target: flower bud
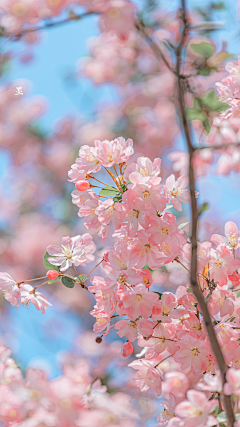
[98, 340]
[156, 310]
[82, 185]
[127, 349]
[52, 274]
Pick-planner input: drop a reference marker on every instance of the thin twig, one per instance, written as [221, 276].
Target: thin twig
[193, 269]
[217, 147]
[74, 17]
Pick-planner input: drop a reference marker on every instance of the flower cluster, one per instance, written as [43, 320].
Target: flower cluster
[75, 398]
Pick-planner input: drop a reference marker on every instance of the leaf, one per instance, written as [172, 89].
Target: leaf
[81, 278]
[183, 225]
[216, 410]
[222, 417]
[146, 267]
[206, 125]
[194, 114]
[117, 198]
[48, 265]
[204, 71]
[159, 293]
[128, 182]
[108, 191]
[68, 282]
[204, 207]
[238, 294]
[197, 104]
[205, 49]
[211, 101]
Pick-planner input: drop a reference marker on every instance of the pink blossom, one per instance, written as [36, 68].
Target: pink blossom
[71, 252]
[223, 301]
[127, 349]
[177, 192]
[162, 228]
[192, 352]
[119, 17]
[232, 386]
[135, 212]
[144, 166]
[138, 301]
[111, 153]
[149, 189]
[148, 377]
[195, 412]
[232, 239]
[143, 252]
[222, 264]
[37, 298]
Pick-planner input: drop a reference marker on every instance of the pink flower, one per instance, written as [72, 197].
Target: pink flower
[162, 339]
[9, 288]
[177, 192]
[144, 166]
[119, 18]
[162, 229]
[149, 189]
[223, 301]
[232, 386]
[143, 252]
[148, 377]
[127, 349]
[138, 302]
[88, 159]
[232, 239]
[71, 252]
[192, 352]
[195, 412]
[135, 212]
[222, 264]
[111, 153]
[36, 298]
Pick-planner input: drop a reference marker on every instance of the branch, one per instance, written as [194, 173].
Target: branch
[72, 17]
[154, 46]
[193, 269]
[217, 147]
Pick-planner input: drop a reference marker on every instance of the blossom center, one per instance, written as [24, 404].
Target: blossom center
[164, 230]
[144, 171]
[195, 352]
[146, 194]
[177, 192]
[217, 263]
[109, 157]
[134, 213]
[19, 9]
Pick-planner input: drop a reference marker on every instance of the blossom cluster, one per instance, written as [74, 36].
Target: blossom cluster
[138, 209]
[74, 398]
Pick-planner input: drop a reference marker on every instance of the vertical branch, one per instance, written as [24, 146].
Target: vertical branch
[193, 269]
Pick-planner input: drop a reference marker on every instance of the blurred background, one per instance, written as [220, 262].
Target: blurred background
[78, 85]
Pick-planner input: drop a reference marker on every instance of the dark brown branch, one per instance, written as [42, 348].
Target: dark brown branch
[71, 18]
[193, 269]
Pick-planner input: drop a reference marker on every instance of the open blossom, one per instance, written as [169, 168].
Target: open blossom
[195, 412]
[144, 166]
[232, 236]
[72, 251]
[149, 189]
[111, 153]
[148, 377]
[138, 302]
[37, 298]
[222, 264]
[177, 192]
[192, 352]
[232, 386]
[9, 288]
[143, 252]
[223, 301]
[162, 229]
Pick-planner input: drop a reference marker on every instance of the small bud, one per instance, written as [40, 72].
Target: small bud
[127, 349]
[52, 274]
[82, 185]
[106, 257]
[156, 310]
[99, 340]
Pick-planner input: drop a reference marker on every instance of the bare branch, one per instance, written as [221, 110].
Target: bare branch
[193, 269]
[217, 147]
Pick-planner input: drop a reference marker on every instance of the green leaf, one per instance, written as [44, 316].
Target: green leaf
[238, 294]
[128, 182]
[211, 101]
[146, 267]
[204, 207]
[204, 71]
[81, 278]
[197, 104]
[222, 417]
[194, 114]
[183, 225]
[68, 282]
[205, 49]
[117, 198]
[216, 410]
[159, 293]
[48, 265]
[206, 125]
[108, 191]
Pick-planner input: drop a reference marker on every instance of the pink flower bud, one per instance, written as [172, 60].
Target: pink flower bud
[106, 257]
[82, 185]
[127, 349]
[52, 274]
[156, 310]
